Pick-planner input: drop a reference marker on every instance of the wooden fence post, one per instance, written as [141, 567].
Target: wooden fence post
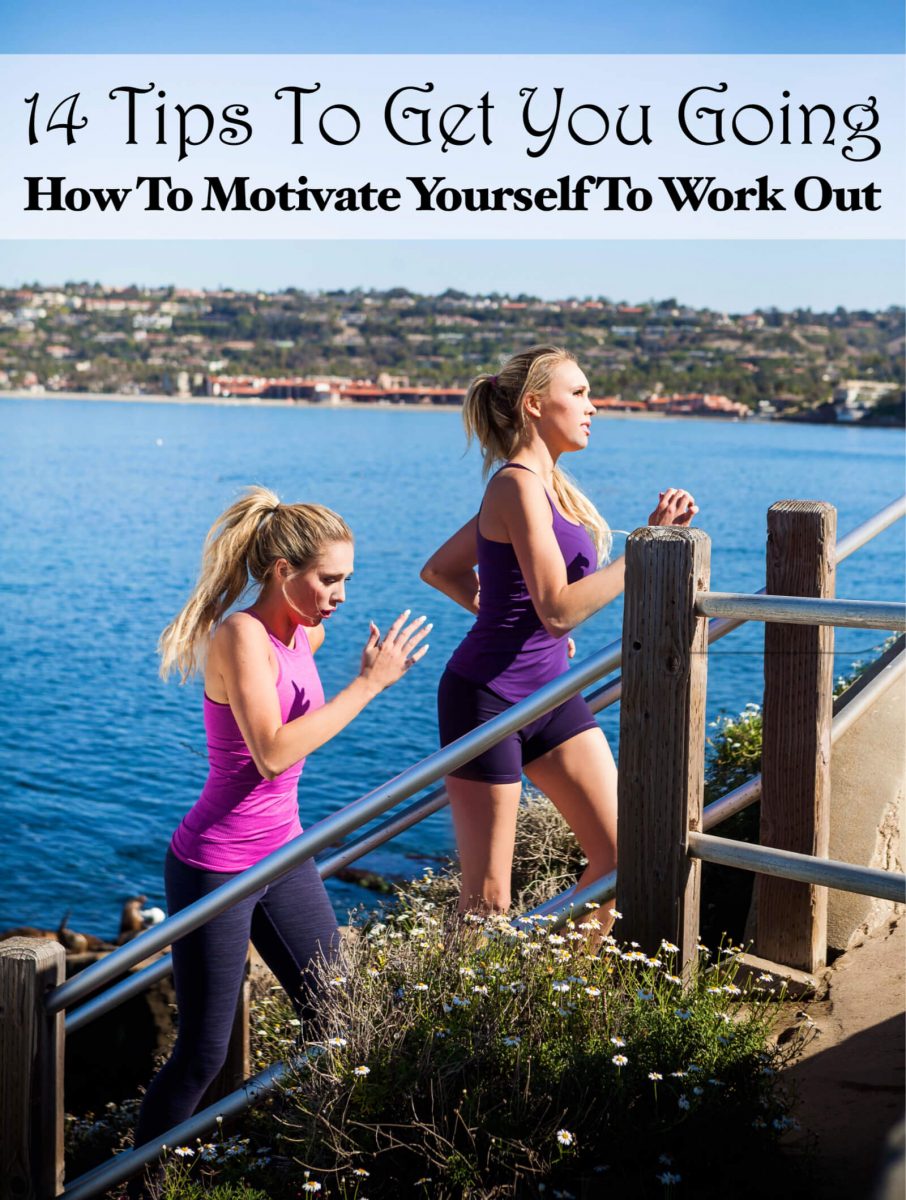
[31, 1070]
[662, 737]
[791, 917]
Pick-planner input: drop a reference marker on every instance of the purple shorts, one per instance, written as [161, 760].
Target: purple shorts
[461, 705]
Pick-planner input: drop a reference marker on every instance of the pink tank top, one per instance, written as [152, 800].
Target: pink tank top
[240, 817]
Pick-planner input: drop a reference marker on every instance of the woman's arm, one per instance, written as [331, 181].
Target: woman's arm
[451, 569]
[518, 501]
[243, 662]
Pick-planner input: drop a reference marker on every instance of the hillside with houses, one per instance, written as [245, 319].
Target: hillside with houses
[401, 347]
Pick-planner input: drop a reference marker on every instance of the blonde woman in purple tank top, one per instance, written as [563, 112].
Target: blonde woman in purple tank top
[264, 712]
[539, 545]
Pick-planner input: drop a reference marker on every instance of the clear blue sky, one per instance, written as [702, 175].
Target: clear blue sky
[729, 276]
[462, 26]
[725, 275]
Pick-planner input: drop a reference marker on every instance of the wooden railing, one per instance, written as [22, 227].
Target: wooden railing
[662, 734]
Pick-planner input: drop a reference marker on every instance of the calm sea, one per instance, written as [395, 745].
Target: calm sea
[105, 509]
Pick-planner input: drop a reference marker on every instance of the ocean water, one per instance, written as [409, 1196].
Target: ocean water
[105, 508]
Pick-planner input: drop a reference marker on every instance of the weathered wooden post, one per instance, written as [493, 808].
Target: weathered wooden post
[31, 1070]
[662, 737]
[796, 738]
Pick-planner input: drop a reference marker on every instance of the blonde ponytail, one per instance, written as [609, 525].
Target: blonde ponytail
[494, 418]
[494, 415]
[244, 542]
[579, 508]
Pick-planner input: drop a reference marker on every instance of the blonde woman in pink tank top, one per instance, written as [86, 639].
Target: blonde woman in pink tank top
[264, 712]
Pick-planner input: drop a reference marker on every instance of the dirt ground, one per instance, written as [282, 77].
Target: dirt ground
[850, 1079]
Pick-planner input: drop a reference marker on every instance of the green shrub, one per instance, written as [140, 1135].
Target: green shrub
[497, 1062]
[94, 1137]
[178, 1185]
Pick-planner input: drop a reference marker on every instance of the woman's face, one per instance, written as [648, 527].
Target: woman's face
[565, 410]
[314, 592]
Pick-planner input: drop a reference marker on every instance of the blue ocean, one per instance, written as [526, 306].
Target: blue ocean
[105, 509]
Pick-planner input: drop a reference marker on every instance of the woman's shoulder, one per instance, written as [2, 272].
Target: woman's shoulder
[515, 487]
[239, 639]
[240, 629]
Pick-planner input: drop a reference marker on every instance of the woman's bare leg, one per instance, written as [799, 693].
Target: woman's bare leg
[484, 817]
[580, 778]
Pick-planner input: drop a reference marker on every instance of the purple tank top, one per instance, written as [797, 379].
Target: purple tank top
[508, 649]
[240, 817]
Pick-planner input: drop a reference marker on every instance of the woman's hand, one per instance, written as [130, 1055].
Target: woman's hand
[386, 660]
[674, 507]
[570, 648]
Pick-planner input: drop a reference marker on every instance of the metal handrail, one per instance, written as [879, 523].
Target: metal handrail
[870, 528]
[806, 868]
[597, 700]
[336, 825]
[135, 984]
[126, 1164]
[129, 1162]
[852, 707]
[847, 545]
[803, 610]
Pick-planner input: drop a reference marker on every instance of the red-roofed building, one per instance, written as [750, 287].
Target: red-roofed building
[367, 394]
[330, 389]
[698, 404]
[257, 388]
[617, 404]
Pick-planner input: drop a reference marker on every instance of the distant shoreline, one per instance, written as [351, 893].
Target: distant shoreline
[242, 402]
[389, 406]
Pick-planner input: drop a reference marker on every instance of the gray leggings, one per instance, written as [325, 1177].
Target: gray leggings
[290, 922]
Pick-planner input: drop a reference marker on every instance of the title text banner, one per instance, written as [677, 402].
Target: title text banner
[473, 146]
